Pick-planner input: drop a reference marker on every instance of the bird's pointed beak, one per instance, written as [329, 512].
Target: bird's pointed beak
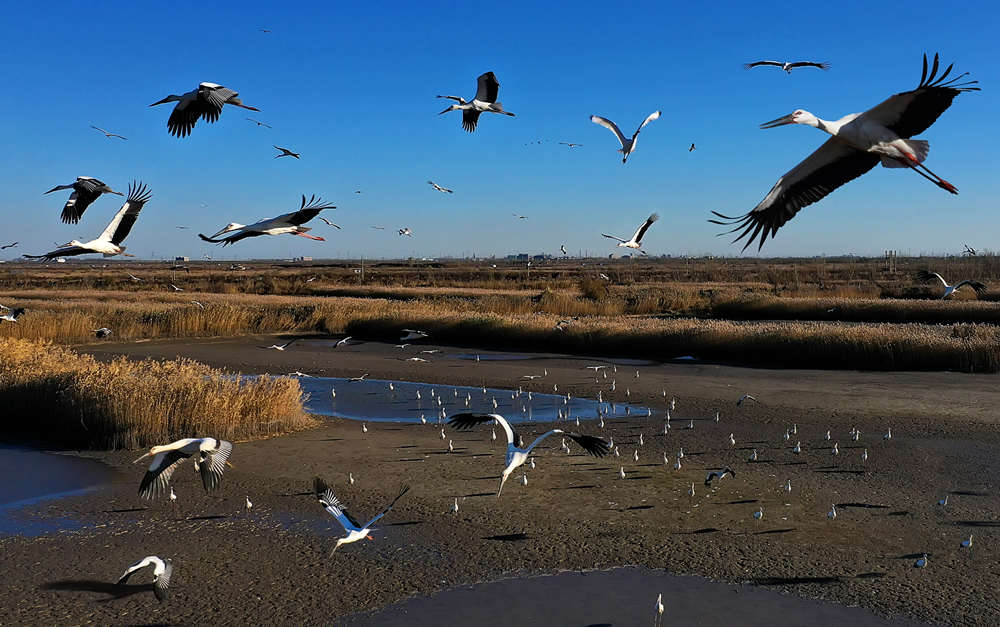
[158, 102]
[141, 458]
[783, 120]
[370, 538]
[111, 191]
[249, 107]
[57, 188]
[447, 110]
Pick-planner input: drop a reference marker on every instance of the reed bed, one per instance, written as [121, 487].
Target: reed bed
[822, 345]
[52, 392]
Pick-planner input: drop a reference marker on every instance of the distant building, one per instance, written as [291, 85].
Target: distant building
[303, 259]
[182, 259]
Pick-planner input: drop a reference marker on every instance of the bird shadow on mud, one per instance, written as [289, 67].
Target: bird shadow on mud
[101, 587]
[509, 537]
[794, 581]
[126, 510]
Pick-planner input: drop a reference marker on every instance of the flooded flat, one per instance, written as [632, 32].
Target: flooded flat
[622, 596]
[42, 476]
[373, 400]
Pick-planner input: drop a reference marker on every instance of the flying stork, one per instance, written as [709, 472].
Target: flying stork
[109, 242]
[285, 153]
[636, 241]
[162, 570]
[860, 141]
[213, 455]
[12, 314]
[86, 189]
[107, 134]
[628, 145]
[443, 190]
[516, 455]
[355, 530]
[926, 276]
[485, 102]
[286, 223]
[205, 102]
[788, 67]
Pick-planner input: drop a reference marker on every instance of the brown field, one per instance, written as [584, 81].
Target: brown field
[830, 313]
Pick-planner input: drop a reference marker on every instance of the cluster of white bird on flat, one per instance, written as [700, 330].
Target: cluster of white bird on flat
[859, 141]
[211, 455]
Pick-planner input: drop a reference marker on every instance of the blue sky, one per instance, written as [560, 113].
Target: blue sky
[351, 87]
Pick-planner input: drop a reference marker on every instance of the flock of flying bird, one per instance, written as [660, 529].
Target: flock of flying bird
[859, 141]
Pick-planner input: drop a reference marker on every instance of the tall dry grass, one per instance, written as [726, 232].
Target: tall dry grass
[54, 393]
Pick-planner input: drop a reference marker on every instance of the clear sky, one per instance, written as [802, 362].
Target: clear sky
[351, 87]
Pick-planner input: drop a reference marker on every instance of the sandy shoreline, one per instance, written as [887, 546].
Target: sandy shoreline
[272, 565]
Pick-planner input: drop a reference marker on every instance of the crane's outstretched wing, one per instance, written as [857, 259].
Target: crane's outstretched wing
[120, 226]
[457, 99]
[747, 66]
[645, 226]
[611, 126]
[655, 115]
[214, 97]
[467, 420]
[595, 446]
[927, 276]
[912, 112]
[232, 239]
[487, 87]
[213, 463]
[613, 237]
[403, 490]
[980, 288]
[470, 118]
[156, 481]
[830, 166]
[309, 210]
[333, 505]
[823, 65]
[161, 584]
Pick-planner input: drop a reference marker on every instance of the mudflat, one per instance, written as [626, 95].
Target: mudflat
[273, 563]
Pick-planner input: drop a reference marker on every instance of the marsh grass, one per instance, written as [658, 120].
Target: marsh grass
[52, 392]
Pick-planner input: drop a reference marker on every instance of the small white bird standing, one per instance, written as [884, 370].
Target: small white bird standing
[248, 505]
[364, 428]
[753, 456]
[967, 544]
[454, 507]
[732, 440]
[836, 450]
[350, 478]
[758, 514]
[621, 472]
[798, 448]
[658, 608]
[921, 562]
[888, 435]
[636, 241]
[173, 497]
[943, 502]
[691, 489]
[628, 143]
[162, 571]
[864, 455]
[524, 478]
[788, 485]
[833, 512]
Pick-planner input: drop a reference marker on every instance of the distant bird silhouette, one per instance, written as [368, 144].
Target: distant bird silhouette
[285, 153]
[259, 123]
[107, 134]
[787, 67]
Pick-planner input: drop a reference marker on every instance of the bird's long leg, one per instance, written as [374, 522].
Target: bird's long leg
[937, 180]
[912, 162]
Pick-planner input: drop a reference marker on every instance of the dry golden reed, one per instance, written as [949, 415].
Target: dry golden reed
[52, 392]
